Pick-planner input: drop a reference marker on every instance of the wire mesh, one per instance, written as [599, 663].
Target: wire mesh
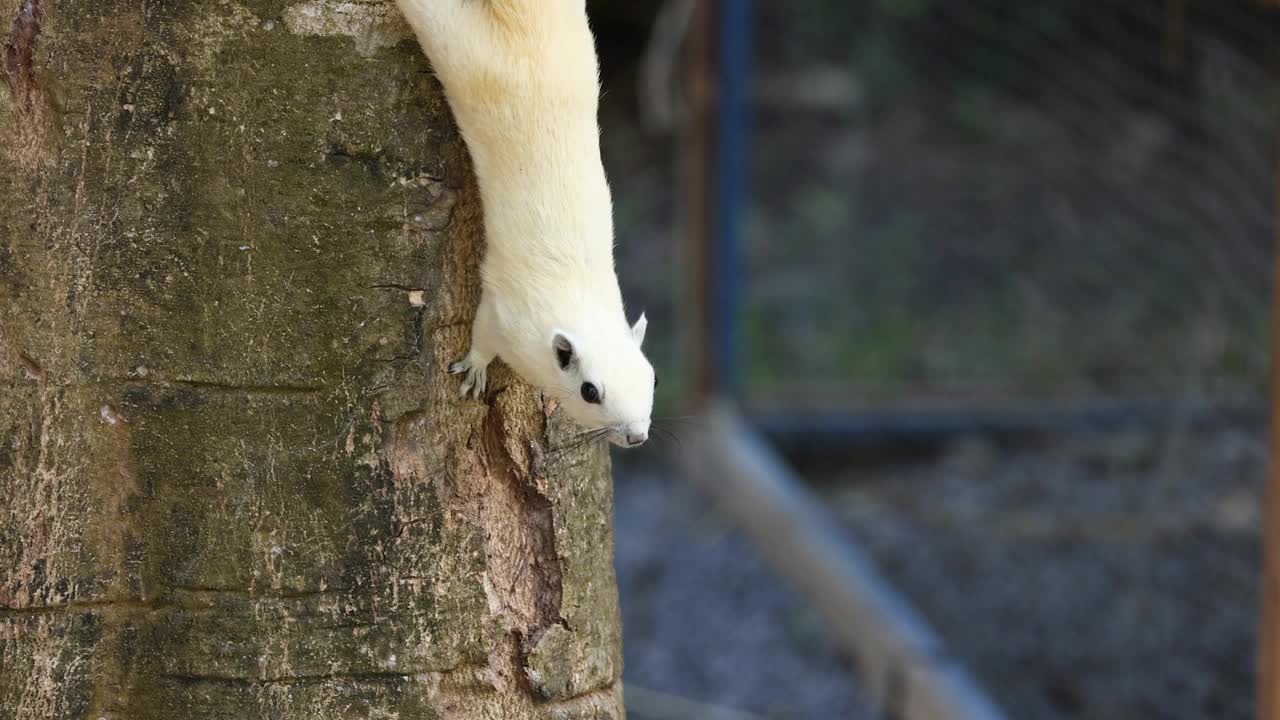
[992, 201]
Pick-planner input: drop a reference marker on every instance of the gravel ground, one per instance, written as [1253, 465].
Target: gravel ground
[1104, 578]
[705, 620]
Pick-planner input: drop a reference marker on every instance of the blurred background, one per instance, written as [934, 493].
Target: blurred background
[1002, 295]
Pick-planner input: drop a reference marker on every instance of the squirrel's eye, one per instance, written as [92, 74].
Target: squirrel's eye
[590, 393]
[655, 381]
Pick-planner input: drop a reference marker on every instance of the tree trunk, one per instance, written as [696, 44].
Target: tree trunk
[238, 245]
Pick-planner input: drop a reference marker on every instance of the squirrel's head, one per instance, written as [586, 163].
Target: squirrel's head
[603, 380]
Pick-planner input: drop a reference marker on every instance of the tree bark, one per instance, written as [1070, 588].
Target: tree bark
[239, 243]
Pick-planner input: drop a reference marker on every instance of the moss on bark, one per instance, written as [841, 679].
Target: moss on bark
[235, 481]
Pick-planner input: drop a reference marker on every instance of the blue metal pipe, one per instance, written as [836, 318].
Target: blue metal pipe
[733, 67]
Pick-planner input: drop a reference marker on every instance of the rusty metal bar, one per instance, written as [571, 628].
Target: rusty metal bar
[1268, 689]
[695, 159]
[901, 663]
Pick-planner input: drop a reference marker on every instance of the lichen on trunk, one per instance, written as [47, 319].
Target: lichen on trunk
[238, 245]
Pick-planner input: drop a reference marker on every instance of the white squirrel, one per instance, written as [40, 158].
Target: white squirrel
[522, 79]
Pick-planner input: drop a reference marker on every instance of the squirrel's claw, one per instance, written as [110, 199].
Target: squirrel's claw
[475, 379]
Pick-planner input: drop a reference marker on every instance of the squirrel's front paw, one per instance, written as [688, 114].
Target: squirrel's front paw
[475, 376]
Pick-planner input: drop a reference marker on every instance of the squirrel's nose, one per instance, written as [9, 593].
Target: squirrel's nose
[636, 438]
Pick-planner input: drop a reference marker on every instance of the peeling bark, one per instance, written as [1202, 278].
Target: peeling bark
[19, 51]
[236, 254]
[17, 68]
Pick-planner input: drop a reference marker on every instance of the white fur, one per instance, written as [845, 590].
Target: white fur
[522, 79]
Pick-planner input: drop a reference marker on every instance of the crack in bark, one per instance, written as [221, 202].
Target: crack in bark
[366, 676]
[77, 606]
[252, 594]
[419, 333]
[178, 602]
[248, 388]
[605, 694]
[396, 286]
[36, 372]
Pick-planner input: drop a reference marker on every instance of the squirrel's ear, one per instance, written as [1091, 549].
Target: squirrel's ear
[566, 356]
[637, 330]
